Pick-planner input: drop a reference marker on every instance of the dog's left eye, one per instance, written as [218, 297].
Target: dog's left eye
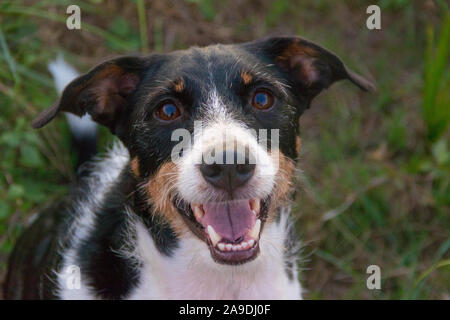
[168, 111]
[262, 99]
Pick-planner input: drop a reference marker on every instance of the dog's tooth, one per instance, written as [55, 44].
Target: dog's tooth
[255, 205]
[234, 248]
[221, 246]
[251, 242]
[244, 245]
[215, 238]
[229, 247]
[198, 211]
[254, 233]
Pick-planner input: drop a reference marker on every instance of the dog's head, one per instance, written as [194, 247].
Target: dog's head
[212, 132]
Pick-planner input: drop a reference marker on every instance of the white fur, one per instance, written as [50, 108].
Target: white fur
[62, 72]
[191, 273]
[104, 175]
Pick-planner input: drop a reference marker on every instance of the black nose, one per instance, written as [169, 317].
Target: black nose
[228, 176]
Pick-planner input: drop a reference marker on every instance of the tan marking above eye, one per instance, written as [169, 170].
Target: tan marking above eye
[179, 85]
[246, 77]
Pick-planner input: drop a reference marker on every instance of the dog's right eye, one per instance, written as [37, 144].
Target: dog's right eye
[168, 111]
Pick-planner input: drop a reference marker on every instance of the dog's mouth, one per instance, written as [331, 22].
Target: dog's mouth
[231, 229]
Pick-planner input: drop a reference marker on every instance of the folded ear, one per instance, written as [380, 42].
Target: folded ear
[104, 92]
[309, 67]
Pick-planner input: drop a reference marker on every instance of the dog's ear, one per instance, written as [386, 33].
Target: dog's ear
[309, 67]
[104, 92]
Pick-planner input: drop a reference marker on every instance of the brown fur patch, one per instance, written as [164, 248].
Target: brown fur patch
[160, 189]
[283, 184]
[107, 87]
[100, 78]
[296, 49]
[246, 77]
[178, 85]
[134, 164]
[300, 56]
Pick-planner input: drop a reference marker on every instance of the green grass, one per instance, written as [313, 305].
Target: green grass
[376, 167]
[436, 97]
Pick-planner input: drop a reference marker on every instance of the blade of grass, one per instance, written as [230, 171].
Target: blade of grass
[9, 60]
[351, 198]
[142, 25]
[426, 273]
[436, 116]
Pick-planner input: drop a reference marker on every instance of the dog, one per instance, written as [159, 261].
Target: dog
[150, 223]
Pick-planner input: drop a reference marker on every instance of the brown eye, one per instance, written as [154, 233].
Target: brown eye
[262, 99]
[168, 111]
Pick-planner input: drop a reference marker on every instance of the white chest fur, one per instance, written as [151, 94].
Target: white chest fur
[190, 273]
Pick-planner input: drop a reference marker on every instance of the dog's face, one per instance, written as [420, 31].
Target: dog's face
[212, 132]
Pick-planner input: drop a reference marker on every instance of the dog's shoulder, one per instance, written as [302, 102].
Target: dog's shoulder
[62, 234]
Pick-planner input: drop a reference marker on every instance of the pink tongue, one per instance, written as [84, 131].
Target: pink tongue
[231, 220]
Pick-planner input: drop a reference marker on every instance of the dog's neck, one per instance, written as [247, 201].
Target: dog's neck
[190, 272]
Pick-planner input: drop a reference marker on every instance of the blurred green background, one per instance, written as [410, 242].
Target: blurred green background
[374, 187]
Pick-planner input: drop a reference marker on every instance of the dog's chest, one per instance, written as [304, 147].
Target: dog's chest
[190, 273]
